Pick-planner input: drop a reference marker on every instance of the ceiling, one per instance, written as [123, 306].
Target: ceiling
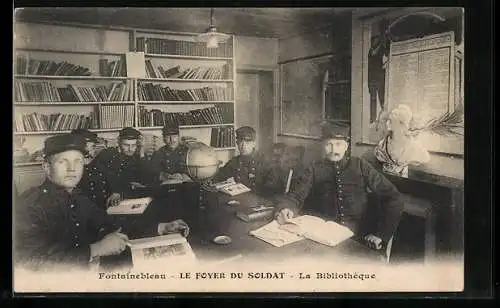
[259, 22]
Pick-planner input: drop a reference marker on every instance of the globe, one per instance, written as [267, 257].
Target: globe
[201, 161]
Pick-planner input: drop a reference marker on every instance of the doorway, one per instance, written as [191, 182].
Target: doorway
[255, 105]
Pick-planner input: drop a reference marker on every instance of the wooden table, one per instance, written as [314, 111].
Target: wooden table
[209, 214]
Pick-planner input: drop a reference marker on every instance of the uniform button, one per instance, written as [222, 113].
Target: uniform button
[71, 205]
[90, 173]
[92, 183]
[77, 245]
[94, 196]
[92, 188]
[340, 198]
[45, 191]
[340, 190]
[77, 224]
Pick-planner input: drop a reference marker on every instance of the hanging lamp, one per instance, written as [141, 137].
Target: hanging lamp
[211, 37]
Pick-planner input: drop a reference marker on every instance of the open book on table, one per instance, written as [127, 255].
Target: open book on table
[130, 206]
[152, 251]
[230, 187]
[313, 228]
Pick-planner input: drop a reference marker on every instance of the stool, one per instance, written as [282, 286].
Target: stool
[424, 209]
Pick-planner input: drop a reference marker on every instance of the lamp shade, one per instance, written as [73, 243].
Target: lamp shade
[212, 37]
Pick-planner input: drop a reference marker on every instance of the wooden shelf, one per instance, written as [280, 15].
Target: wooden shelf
[224, 148]
[69, 77]
[185, 126]
[184, 80]
[73, 103]
[27, 164]
[183, 102]
[111, 53]
[155, 55]
[55, 132]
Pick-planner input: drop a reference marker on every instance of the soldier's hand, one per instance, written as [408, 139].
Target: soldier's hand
[113, 200]
[373, 241]
[112, 244]
[283, 215]
[176, 226]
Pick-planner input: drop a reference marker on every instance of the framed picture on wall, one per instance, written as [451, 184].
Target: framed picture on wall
[302, 96]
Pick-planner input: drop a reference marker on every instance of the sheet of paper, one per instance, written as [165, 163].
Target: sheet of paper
[274, 235]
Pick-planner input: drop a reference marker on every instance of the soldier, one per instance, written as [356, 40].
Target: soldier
[57, 225]
[126, 168]
[93, 183]
[338, 188]
[248, 168]
[168, 162]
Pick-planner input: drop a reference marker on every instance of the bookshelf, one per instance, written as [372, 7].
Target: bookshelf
[83, 78]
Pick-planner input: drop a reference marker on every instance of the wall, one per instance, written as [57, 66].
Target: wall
[333, 38]
[256, 52]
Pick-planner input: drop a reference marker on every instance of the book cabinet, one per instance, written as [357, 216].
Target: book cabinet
[104, 79]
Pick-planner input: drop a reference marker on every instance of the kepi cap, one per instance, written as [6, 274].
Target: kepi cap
[331, 130]
[61, 143]
[86, 134]
[129, 133]
[169, 130]
[245, 133]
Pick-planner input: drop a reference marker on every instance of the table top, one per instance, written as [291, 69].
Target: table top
[219, 218]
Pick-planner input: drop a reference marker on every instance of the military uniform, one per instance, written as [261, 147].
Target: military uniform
[342, 191]
[54, 227]
[169, 160]
[120, 169]
[250, 170]
[93, 183]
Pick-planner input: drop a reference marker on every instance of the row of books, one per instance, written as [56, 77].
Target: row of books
[116, 68]
[25, 66]
[178, 47]
[43, 91]
[222, 137]
[199, 72]
[115, 116]
[203, 116]
[148, 91]
[35, 122]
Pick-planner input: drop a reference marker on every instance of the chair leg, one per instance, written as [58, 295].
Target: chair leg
[388, 250]
[430, 239]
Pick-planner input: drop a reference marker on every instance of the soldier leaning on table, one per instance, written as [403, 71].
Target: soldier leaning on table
[169, 161]
[339, 187]
[55, 224]
[125, 167]
[249, 167]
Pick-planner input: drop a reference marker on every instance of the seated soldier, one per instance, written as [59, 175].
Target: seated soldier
[57, 225]
[126, 168]
[93, 183]
[249, 167]
[168, 162]
[338, 187]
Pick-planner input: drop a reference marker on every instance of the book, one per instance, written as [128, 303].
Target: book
[316, 229]
[151, 252]
[230, 187]
[273, 234]
[130, 206]
[135, 64]
[255, 213]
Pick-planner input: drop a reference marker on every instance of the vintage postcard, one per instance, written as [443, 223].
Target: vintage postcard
[339, 133]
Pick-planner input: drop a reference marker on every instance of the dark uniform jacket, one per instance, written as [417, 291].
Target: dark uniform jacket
[168, 160]
[250, 170]
[345, 192]
[95, 185]
[120, 169]
[56, 228]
